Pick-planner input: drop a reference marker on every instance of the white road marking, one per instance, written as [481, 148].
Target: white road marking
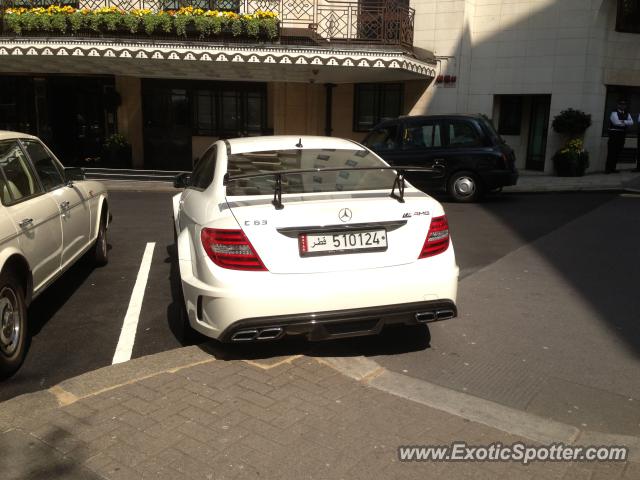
[130, 324]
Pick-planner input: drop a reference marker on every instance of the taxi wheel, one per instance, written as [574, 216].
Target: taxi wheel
[464, 187]
[13, 325]
[100, 249]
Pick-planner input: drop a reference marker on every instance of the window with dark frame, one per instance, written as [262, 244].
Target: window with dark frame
[510, 119]
[205, 108]
[615, 93]
[374, 103]
[628, 16]
[17, 109]
[229, 111]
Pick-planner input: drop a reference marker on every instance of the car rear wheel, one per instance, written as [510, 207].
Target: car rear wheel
[100, 249]
[185, 333]
[464, 187]
[13, 325]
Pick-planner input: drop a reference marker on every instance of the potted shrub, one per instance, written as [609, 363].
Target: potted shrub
[116, 152]
[571, 160]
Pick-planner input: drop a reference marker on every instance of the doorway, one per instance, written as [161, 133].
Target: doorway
[77, 117]
[538, 131]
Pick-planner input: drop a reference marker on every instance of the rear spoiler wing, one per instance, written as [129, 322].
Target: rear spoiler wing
[399, 183]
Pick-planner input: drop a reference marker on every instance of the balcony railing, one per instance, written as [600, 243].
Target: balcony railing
[308, 22]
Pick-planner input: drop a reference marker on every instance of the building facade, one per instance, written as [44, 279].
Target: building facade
[521, 62]
[78, 73]
[328, 67]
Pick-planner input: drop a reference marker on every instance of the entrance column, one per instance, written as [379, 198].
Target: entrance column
[130, 116]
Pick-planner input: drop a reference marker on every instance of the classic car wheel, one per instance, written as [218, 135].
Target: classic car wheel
[100, 249]
[13, 325]
[464, 187]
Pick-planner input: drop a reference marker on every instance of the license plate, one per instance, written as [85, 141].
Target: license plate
[333, 243]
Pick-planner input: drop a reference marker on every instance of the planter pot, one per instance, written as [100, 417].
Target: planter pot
[119, 158]
[571, 164]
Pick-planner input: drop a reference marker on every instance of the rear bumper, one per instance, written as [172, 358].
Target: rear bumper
[499, 178]
[320, 305]
[339, 323]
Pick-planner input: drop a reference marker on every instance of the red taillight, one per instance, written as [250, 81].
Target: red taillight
[230, 249]
[437, 239]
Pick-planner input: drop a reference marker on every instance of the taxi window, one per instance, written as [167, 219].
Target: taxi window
[423, 135]
[384, 138]
[463, 134]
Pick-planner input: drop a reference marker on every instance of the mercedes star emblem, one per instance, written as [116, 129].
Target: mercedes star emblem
[345, 215]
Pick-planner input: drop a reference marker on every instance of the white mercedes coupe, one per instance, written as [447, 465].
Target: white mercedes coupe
[312, 236]
[49, 218]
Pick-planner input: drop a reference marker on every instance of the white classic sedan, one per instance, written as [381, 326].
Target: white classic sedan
[49, 218]
[312, 236]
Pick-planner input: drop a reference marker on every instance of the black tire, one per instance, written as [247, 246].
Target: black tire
[186, 334]
[14, 336]
[464, 187]
[100, 252]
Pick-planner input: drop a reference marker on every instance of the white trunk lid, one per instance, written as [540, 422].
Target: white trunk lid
[274, 233]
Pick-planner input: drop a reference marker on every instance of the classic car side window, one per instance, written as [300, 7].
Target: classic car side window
[46, 167]
[424, 135]
[17, 179]
[203, 173]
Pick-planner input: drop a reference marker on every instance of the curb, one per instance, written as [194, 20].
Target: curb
[475, 409]
[360, 369]
[101, 380]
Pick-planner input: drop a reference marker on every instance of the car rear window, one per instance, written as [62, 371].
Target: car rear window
[275, 161]
[493, 134]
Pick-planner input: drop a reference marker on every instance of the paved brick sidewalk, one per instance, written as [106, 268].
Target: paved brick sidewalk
[281, 418]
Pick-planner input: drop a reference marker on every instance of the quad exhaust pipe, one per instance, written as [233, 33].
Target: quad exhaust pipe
[271, 333]
[274, 333]
[244, 336]
[426, 317]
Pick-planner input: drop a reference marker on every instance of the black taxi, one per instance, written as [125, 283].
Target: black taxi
[475, 158]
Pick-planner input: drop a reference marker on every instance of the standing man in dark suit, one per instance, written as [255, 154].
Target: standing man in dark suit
[619, 122]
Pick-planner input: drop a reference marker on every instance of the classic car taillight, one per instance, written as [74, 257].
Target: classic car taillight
[230, 249]
[437, 240]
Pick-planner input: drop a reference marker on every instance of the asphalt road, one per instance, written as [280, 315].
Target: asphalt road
[548, 308]
[77, 321]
